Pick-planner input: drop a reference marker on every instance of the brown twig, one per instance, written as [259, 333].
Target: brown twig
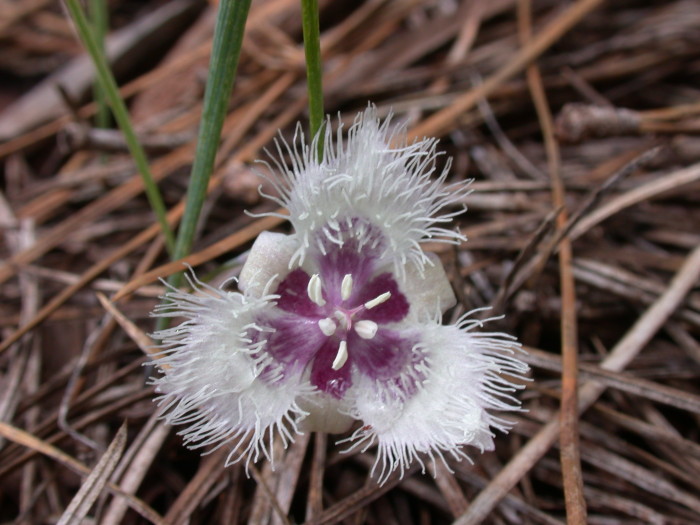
[569, 438]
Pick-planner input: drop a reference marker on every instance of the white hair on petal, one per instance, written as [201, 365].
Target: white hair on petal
[374, 175]
[466, 376]
[218, 380]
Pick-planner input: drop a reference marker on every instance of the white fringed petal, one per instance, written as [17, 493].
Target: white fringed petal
[430, 293]
[326, 414]
[267, 263]
[374, 177]
[468, 375]
[217, 379]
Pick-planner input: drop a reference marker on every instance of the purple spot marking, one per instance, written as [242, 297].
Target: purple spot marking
[339, 262]
[382, 357]
[393, 310]
[294, 298]
[295, 341]
[323, 377]
[298, 342]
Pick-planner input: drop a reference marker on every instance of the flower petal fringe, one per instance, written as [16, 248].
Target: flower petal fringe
[218, 380]
[376, 175]
[468, 374]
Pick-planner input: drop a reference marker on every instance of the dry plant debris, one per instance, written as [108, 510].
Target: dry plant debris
[578, 121]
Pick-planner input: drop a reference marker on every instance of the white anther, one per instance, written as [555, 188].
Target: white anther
[314, 290]
[327, 326]
[378, 300]
[346, 287]
[341, 356]
[366, 329]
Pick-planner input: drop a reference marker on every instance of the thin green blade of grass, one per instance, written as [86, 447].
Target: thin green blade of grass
[314, 69]
[99, 16]
[226, 50]
[109, 86]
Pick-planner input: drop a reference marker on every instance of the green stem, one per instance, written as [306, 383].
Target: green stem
[226, 49]
[99, 16]
[314, 69]
[121, 115]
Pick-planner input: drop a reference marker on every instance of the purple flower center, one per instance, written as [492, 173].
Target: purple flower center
[335, 322]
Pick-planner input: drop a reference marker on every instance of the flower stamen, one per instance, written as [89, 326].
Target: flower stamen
[315, 290]
[346, 287]
[327, 326]
[366, 329]
[382, 298]
[341, 357]
[344, 319]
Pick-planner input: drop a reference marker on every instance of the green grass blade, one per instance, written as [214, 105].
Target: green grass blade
[226, 49]
[99, 16]
[314, 69]
[121, 115]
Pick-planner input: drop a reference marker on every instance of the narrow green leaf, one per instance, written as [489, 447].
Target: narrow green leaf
[314, 69]
[226, 49]
[121, 115]
[99, 16]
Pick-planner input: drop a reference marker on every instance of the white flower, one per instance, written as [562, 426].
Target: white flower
[339, 322]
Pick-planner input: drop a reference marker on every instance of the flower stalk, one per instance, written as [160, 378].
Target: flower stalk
[226, 50]
[314, 67]
[99, 16]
